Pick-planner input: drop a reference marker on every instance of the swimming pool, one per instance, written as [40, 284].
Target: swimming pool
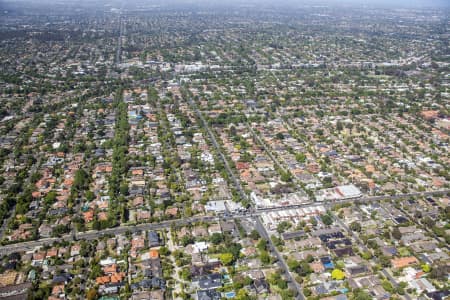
[230, 294]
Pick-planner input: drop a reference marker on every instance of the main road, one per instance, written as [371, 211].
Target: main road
[268, 151]
[258, 224]
[119, 38]
[212, 137]
[252, 213]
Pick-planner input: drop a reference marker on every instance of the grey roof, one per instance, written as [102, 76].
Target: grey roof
[208, 295]
[211, 281]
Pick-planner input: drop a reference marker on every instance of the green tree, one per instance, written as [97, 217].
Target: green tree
[282, 284]
[387, 286]
[279, 136]
[164, 251]
[242, 295]
[226, 258]
[337, 274]
[426, 268]
[384, 261]
[307, 292]
[286, 177]
[90, 195]
[265, 257]
[366, 255]
[355, 226]
[216, 238]
[186, 240]
[50, 198]
[428, 222]
[185, 274]
[327, 219]
[283, 226]
[361, 295]
[300, 157]
[254, 235]
[261, 245]
[396, 233]
[81, 180]
[293, 264]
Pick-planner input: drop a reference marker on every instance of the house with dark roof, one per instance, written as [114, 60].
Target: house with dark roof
[389, 250]
[62, 278]
[158, 283]
[198, 270]
[357, 270]
[438, 295]
[154, 265]
[148, 272]
[153, 239]
[343, 252]
[229, 227]
[146, 284]
[327, 263]
[293, 235]
[208, 295]
[211, 281]
[261, 286]
[327, 287]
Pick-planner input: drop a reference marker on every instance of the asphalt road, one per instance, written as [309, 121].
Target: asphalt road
[282, 263]
[212, 137]
[268, 151]
[89, 235]
[394, 282]
[119, 39]
[258, 224]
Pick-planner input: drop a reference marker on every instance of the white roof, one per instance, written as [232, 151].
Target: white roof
[349, 190]
[200, 246]
[215, 206]
[107, 261]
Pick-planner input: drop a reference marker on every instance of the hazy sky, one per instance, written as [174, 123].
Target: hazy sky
[278, 3]
[357, 2]
[405, 3]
